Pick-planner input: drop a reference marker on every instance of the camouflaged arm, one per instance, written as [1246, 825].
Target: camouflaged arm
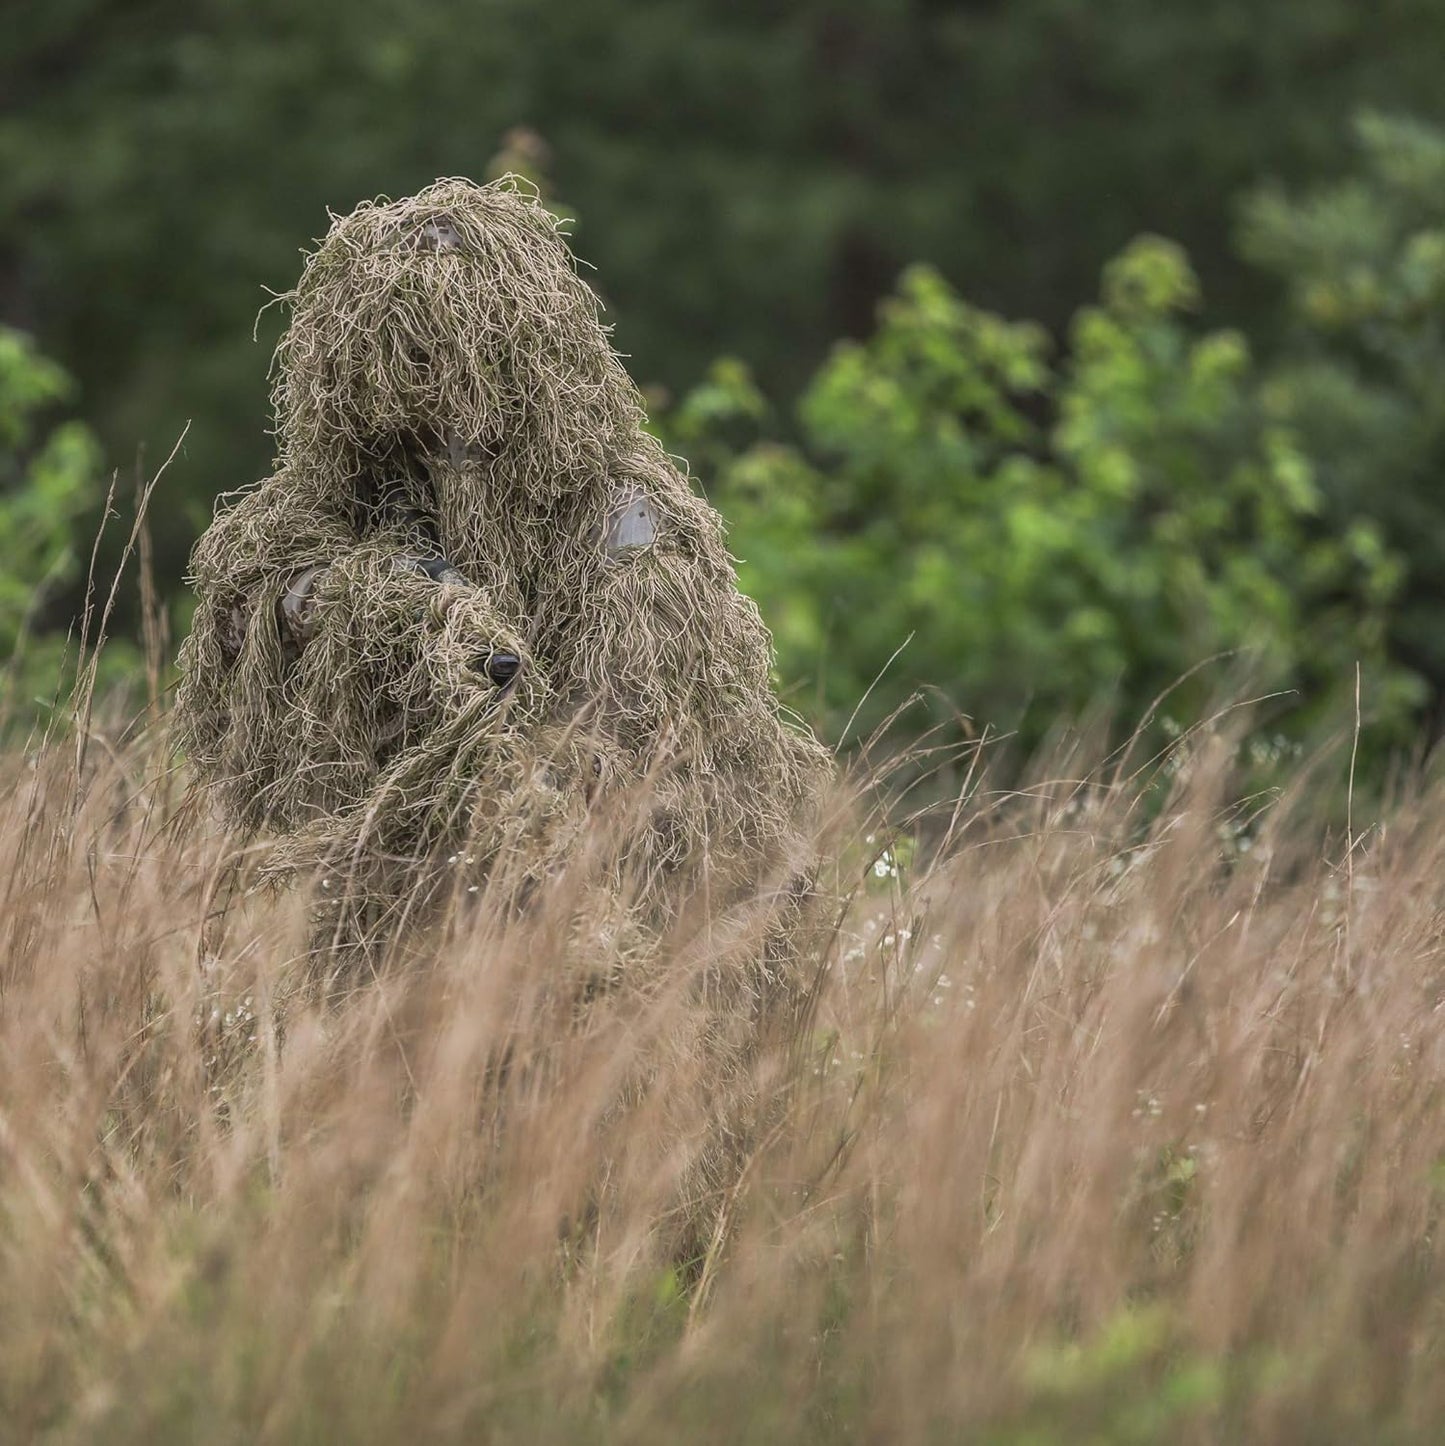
[296, 606]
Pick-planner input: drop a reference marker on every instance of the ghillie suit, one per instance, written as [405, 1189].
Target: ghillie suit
[477, 599]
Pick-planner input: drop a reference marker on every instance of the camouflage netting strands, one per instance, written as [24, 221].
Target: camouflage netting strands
[477, 599]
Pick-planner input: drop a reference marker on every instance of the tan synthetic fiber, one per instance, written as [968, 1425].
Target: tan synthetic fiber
[446, 390]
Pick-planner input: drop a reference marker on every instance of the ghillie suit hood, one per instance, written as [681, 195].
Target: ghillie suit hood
[464, 476]
[454, 319]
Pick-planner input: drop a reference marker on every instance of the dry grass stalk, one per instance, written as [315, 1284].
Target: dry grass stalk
[1105, 1126]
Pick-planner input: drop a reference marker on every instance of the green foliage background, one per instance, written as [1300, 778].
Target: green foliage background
[1237, 445]
[47, 475]
[1168, 512]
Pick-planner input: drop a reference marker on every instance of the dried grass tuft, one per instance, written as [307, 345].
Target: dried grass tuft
[1118, 1118]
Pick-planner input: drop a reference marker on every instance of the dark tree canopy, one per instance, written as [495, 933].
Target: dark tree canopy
[749, 178]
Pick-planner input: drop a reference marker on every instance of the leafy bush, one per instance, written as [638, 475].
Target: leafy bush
[1363, 263]
[1047, 532]
[47, 478]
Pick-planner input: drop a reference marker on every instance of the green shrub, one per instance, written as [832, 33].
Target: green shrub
[49, 476]
[1044, 532]
[1362, 262]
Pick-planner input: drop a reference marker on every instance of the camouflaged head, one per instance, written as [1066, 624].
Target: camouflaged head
[451, 320]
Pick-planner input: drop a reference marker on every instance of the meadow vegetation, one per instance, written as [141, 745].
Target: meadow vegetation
[1119, 1115]
[1117, 1112]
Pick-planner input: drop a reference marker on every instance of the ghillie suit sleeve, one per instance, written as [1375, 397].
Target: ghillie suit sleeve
[446, 394]
[348, 693]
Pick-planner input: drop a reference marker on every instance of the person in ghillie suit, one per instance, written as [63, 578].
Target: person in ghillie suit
[477, 598]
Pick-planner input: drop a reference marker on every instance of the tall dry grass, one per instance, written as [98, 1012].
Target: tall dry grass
[1118, 1117]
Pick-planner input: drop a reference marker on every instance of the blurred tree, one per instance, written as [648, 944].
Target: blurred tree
[1163, 515]
[1363, 264]
[750, 177]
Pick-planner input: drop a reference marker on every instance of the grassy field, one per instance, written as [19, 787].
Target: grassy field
[1119, 1117]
